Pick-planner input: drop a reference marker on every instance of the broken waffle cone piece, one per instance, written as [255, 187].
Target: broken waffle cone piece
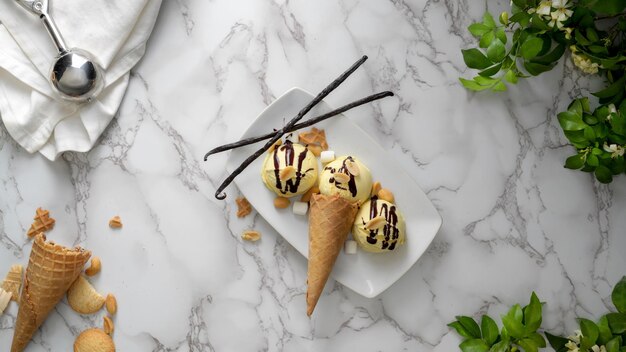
[5, 298]
[115, 222]
[243, 207]
[330, 220]
[314, 137]
[51, 270]
[94, 340]
[41, 222]
[13, 282]
[83, 297]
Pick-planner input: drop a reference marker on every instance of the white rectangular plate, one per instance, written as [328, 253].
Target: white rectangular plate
[365, 273]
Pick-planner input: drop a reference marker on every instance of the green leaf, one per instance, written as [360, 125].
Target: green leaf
[500, 34]
[488, 20]
[460, 329]
[499, 87]
[501, 346]
[490, 71]
[512, 321]
[531, 47]
[486, 39]
[592, 160]
[603, 174]
[557, 342]
[613, 345]
[538, 23]
[619, 295]
[538, 339]
[535, 68]
[592, 35]
[574, 162]
[520, 3]
[474, 345]
[613, 89]
[473, 85]
[470, 325]
[589, 330]
[532, 314]
[570, 121]
[489, 329]
[510, 76]
[589, 134]
[496, 51]
[528, 345]
[523, 18]
[552, 56]
[608, 7]
[474, 58]
[604, 331]
[478, 29]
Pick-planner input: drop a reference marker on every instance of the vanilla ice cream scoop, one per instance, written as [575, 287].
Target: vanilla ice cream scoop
[348, 177]
[289, 170]
[379, 226]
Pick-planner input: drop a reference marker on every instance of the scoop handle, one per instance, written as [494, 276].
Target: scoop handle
[40, 8]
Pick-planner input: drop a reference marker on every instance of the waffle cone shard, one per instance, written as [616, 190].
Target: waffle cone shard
[330, 220]
[51, 270]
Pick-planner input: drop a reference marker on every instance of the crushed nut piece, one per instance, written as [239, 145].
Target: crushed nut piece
[375, 188]
[341, 177]
[352, 168]
[95, 267]
[13, 282]
[250, 235]
[376, 223]
[243, 207]
[281, 202]
[42, 222]
[307, 196]
[110, 302]
[314, 137]
[387, 195]
[108, 326]
[287, 172]
[115, 222]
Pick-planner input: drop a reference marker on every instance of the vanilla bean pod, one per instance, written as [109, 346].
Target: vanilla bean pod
[219, 194]
[310, 122]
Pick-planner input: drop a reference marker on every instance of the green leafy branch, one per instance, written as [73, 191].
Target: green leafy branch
[533, 38]
[520, 327]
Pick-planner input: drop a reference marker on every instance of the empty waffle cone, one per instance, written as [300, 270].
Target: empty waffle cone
[51, 270]
[330, 220]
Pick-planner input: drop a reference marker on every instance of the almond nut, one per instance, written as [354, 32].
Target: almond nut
[307, 196]
[287, 172]
[281, 202]
[341, 177]
[250, 235]
[108, 326]
[375, 188]
[111, 304]
[376, 223]
[386, 194]
[315, 149]
[95, 267]
[352, 168]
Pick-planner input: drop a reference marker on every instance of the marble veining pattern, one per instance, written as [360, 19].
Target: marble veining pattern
[514, 219]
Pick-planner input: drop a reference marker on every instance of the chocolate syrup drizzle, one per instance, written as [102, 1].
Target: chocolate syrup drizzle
[391, 233]
[290, 185]
[343, 169]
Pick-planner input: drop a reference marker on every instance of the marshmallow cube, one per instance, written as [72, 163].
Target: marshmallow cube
[327, 156]
[350, 247]
[300, 208]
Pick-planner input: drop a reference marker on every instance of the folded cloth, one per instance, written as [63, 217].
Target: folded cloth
[113, 31]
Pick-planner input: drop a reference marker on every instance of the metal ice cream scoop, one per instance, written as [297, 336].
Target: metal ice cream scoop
[74, 75]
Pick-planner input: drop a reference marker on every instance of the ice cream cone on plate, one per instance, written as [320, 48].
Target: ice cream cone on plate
[330, 220]
[51, 270]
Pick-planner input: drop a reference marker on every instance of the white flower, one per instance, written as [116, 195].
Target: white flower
[584, 63]
[596, 348]
[544, 8]
[615, 150]
[612, 110]
[568, 32]
[576, 337]
[561, 13]
[571, 346]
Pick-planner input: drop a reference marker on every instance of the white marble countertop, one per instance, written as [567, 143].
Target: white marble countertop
[514, 219]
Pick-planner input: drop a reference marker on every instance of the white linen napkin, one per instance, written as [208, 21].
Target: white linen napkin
[114, 31]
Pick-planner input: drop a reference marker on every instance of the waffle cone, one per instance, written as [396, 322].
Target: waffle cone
[330, 220]
[51, 270]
